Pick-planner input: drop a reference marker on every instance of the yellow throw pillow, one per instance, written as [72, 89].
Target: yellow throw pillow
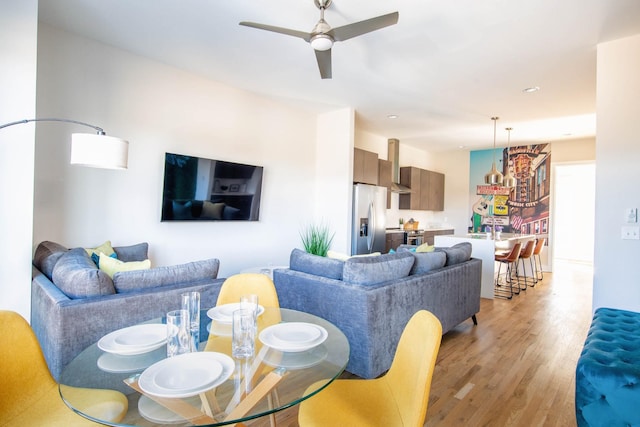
[425, 248]
[105, 248]
[112, 266]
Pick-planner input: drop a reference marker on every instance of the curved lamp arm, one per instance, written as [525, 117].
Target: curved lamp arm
[98, 129]
[98, 151]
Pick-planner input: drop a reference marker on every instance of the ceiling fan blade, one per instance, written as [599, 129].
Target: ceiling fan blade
[286, 31]
[324, 62]
[349, 31]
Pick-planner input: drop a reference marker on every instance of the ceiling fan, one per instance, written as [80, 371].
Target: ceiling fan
[323, 36]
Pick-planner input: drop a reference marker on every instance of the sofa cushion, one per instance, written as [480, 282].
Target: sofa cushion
[130, 281]
[315, 264]
[46, 256]
[138, 252]
[112, 266]
[77, 276]
[457, 253]
[427, 261]
[372, 270]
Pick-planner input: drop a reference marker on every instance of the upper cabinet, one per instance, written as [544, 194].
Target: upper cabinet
[427, 189]
[365, 167]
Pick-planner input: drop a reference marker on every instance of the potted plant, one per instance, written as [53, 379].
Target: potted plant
[317, 239]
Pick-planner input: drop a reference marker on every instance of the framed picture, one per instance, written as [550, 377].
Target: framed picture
[234, 188]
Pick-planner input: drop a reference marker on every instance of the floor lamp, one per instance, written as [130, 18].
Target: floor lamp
[97, 151]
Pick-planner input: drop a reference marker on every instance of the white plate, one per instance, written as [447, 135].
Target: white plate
[115, 363]
[296, 333]
[134, 340]
[223, 313]
[186, 375]
[299, 360]
[268, 339]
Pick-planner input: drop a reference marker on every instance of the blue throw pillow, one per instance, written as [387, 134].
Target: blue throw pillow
[96, 258]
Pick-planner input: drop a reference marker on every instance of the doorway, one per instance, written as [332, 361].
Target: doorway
[574, 213]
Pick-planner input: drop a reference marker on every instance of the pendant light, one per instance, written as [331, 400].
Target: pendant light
[494, 177]
[509, 180]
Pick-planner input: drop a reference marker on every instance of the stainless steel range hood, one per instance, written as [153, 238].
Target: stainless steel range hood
[393, 155]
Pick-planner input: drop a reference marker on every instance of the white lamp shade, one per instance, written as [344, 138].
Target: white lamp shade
[99, 151]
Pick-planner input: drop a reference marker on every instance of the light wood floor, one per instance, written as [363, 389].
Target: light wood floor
[517, 367]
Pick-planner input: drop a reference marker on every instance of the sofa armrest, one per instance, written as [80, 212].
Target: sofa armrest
[66, 326]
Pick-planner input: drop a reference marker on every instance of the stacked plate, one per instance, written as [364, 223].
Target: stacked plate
[134, 340]
[293, 336]
[223, 313]
[186, 375]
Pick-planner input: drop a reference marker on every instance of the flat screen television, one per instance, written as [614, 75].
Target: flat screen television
[197, 189]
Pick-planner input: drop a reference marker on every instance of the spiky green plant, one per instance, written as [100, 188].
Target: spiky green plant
[316, 239]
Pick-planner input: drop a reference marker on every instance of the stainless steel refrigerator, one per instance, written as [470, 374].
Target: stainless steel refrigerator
[369, 210]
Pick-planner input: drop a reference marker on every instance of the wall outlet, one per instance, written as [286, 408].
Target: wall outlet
[630, 233]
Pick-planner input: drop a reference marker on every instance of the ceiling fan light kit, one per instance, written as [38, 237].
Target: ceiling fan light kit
[322, 37]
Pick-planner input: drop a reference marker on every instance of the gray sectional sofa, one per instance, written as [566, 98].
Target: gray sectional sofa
[372, 298]
[74, 304]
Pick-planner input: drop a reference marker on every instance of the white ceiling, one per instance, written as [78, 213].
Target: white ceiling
[444, 69]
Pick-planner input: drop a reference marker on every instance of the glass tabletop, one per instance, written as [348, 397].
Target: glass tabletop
[239, 389]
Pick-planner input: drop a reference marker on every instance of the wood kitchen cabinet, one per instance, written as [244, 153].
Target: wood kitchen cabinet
[427, 189]
[365, 167]
[394, 239]
[429, 235]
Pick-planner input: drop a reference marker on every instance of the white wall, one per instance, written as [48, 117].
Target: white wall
[334, 176]
[18, 55]
[616, 266]
[162, 109]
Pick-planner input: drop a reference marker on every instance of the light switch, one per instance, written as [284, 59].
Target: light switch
[630, 233]
[631, 215]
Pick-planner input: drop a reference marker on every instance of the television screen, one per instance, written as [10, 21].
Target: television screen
[197, 189]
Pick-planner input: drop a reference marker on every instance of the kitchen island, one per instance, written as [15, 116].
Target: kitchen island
[484, 248]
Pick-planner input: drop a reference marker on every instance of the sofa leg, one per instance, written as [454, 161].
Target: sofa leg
[475, 320]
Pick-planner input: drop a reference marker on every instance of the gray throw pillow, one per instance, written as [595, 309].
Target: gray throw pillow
[139, 252]
[377, 269]
[427, 261]
[130, 281]
[315, 264]
[46, 256]
[457, 253]
[77, 276]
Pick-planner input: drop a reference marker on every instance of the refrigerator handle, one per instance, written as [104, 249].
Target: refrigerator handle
[372, 226]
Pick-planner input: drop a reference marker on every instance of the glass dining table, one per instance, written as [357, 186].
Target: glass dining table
[225, 390]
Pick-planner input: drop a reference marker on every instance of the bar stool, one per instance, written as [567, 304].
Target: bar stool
[536, 258]
[527, 253]
[510, 260]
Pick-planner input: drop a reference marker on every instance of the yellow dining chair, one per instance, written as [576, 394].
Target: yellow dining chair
[249, 283]
[29, 395]
[398, 398]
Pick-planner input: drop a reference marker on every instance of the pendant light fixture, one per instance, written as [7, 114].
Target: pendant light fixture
[509, 180]
[493, 177]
